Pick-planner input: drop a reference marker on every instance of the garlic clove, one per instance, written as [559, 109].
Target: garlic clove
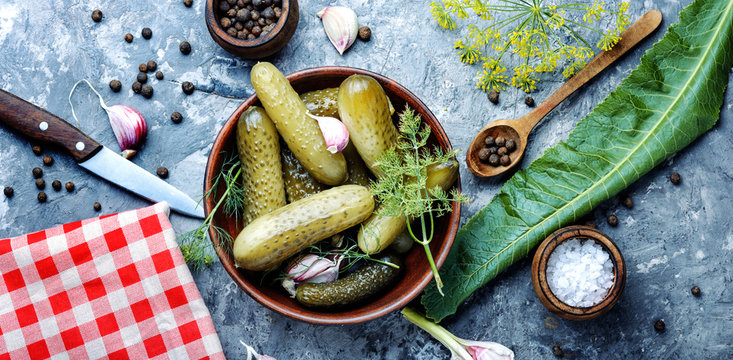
[313, 268]
[129, 128]
[334, 132]
[341, 26]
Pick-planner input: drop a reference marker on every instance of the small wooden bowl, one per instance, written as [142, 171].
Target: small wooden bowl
[539, 273]
[262, 46]
[416, 274]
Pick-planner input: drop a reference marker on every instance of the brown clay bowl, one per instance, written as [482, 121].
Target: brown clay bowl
[539, 273]
[260, 47]
[416, 273]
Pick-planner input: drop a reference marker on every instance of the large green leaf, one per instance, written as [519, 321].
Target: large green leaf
[673, 97]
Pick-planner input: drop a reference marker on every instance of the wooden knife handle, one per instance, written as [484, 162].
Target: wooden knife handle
[42, 126]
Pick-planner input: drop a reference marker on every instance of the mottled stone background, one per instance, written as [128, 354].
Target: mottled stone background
[673, 238]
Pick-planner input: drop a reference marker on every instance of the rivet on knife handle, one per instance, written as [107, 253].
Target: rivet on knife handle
[42, 126]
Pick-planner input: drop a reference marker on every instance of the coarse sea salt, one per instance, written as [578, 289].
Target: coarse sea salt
[579, 273]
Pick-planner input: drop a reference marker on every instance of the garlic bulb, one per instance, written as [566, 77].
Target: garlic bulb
[341, 26]
[334, 132]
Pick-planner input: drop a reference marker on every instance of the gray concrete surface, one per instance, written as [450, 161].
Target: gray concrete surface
[673, 238]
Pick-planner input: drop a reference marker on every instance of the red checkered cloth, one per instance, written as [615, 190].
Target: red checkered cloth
[112, 287]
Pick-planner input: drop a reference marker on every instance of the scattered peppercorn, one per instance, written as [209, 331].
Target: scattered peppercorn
[500, 141]
[176, 117]
[675, 178]
[494, 96]
[37, 172]
[188, 3]
[505, 160]
[56, 185]
[557, 351]
[152, 65]
[162, 172]
[142, 78]
[137, 87]
[97, 206]
[529, 101]
[612, 220]
[115, 85]
[484, 154]
[97, 15]
[159, 75]
[502, 151]
[187, 87]
[128, 37]
[8, 191]
[510, 145]
[695, 290]
[147, 33]
[37, 149]
[42, 197]
[70, 186]
[147, 91]
[489, 140]
[494, 160]
[40, 184]
[628, 202]
[365, 33]
[659, 325]
[143, 67]
[47, 160]
[185, 47]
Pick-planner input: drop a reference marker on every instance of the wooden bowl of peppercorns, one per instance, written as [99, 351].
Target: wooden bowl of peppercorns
[252, 29]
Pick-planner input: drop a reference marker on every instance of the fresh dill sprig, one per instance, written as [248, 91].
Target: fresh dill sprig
[402, 191]
[193, 244]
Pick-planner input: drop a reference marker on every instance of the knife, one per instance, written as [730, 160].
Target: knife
[42, 126]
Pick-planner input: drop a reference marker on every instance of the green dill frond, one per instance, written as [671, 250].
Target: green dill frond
[440, 13]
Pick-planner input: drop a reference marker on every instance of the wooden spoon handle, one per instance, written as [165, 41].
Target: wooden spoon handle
[632, 36]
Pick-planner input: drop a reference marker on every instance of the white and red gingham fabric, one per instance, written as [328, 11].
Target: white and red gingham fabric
[112, 287]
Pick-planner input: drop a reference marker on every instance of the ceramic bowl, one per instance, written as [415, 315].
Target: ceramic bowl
[416, 273]
[260, 47]
[539, 273]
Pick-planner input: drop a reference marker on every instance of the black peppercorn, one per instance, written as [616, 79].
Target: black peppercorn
[255, 15]
[129, 37]
[232, 13]
[529, 101]
[659, 325]
[241, 35]
[115, 85]
[502, 151]
[484, 154]
[243, 15]
[510, 145]
[238, 26]
[8, 191]
[494, 160]
[152, 65]
[493, 150]
[147, 33]
[185, 48]
[143, 67]
[557, 351]
[262, 22]
[695, 290]
[47, 160]
[40, 184]
[628, 202]
[37, 172]
[505, 160]
[256, 31]
[187, 87]
[500, 141]
[251, 37]
[223, 6]
[137, 87]
[70, 186]
[97, 206]
[42, 197]
[249, 25]
[612, 220]
[142, 77]
[675, 178]
[162, 172]
[232, 32]
[97, 15]
[37, 149]
[365, 33]
[188, 3]
[56, 185]
[225, 23]
[278, 12]
[147, 91]
[258, 3]
[494, 96]
[489, 141]
[176, 117]
[159, 75]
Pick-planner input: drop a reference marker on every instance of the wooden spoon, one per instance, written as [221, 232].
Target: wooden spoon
[519, 129]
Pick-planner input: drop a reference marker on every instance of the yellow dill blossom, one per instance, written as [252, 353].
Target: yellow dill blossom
[537, 35]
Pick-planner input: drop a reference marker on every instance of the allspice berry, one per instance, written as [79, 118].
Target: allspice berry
[502, 151]
[187, 87]
[675, 178]
[176, 117]
[47, 160]
[494, 160]
[142, 77]
[510, 145]
[147, 91]
[612, 220]
[152, 65]
[494, 96]
[628, 202]
[37, 172]
[162, 172]
[500, 141]
[97, 15]
[489, 141]
[365, 33]
[115, 85]
[185, 47]
[188, 3]
[143, 67]
[529, 101]
[37, 149]
[137, 87]
[505, 160]
[695, 290]
[70, 186]
[159, 75]
[97, 206]
[40, 184]
[42, 197]
[129, 37]
[8, 191]
[56, 185]
[147, 33]
[659, 325]
[484, 154]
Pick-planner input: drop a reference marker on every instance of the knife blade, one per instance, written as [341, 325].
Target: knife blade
[42, 126]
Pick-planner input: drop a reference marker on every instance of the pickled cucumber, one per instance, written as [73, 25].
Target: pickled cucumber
[299, 183]
[300, 132]
[371, 279]
[272, 238]
[259, 154]
[321, 102]
[379, 231]
[358, 173]
[364, 109]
